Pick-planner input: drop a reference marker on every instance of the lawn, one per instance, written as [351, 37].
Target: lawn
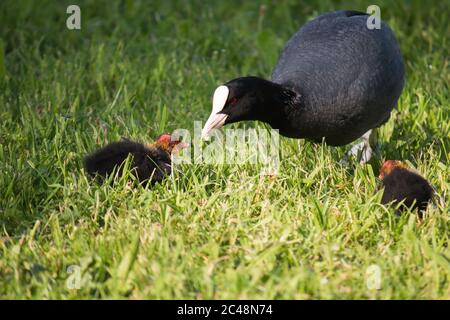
[140, 68]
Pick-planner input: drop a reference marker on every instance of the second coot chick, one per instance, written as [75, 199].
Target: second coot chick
[147, 161]
[401, 184]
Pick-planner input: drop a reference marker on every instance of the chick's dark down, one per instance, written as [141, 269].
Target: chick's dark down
[146, 162]
[403, 185]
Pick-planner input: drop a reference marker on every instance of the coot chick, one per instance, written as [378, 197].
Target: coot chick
[335, 80]
[401, 184]
[150, 161]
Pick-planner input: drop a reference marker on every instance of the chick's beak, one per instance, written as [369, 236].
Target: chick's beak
[217, 119]
[179, 145]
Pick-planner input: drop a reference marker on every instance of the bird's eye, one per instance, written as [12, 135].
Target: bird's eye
[233, 101]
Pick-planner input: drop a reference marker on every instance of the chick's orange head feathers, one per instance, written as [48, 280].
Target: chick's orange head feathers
[165, 138]
[168, 143]
[389, 165]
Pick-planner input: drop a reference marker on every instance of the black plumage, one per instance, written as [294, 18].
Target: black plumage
[147, 162]
[335, 79]
[401, 184]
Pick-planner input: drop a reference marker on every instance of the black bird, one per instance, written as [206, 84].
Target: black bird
[150, 161]
[401, 184]
[336, 79]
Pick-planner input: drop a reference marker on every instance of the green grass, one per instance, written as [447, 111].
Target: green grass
[138, 68]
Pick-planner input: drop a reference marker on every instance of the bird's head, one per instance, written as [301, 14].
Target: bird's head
[390, 165]
[168, 143]
[241, 99]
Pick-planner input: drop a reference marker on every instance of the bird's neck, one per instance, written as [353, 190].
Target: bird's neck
[278, 103]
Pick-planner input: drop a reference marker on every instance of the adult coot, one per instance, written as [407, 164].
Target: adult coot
[336, 79]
